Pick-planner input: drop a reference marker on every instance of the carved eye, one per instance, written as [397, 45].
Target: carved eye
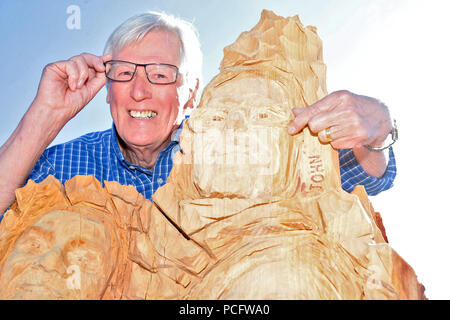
[263, 116]
[34, 246]
[35, 241]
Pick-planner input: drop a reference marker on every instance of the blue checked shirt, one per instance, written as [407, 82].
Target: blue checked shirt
[98, 154]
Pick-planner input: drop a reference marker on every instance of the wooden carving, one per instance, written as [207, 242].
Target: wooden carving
[69, 242]
[248, 212]
[263, 213]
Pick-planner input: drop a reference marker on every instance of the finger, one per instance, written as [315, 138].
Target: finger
[325, 135]
[327, 103]
[106, 57]
[93, 61]
[297, 111]
[339, 144]
[293, 127]
[83, 70]
[321, 121]
[299, 122]
[343, 143]
[342, 137]
[330, 133]
[92, 74]
[96, 62]
[70, 69]
[95, 82]
[303, 115]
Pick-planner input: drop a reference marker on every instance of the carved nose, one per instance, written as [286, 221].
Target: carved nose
[52, 260]
[236, 121]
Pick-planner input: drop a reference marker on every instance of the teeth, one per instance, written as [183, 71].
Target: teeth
[142, 114]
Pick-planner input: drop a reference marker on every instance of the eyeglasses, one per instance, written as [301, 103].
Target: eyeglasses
[157, 73]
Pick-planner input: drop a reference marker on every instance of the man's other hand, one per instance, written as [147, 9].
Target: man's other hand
[351, 120]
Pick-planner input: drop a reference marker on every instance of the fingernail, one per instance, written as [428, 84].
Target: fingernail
[291, 129]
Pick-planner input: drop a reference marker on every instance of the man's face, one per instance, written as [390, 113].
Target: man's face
[65, 255]
[139, 94]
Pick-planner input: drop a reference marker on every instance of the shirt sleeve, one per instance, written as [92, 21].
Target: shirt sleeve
[41, 170]
[352, 174]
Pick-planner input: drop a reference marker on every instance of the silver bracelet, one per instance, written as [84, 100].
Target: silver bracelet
[394, 135]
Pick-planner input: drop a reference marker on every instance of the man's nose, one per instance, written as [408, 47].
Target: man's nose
[141, 88]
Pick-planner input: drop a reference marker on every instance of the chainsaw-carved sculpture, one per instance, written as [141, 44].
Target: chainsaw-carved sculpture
[261, 214]
[69, 242]
[248, 212]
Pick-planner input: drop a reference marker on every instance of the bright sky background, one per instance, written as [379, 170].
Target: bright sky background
[396, 51]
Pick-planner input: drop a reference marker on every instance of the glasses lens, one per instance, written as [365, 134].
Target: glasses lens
[161, 73]
[119, 71]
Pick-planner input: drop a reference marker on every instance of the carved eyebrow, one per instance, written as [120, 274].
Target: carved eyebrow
[41, 232]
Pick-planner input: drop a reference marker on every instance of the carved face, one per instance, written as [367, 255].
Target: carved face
[65, 255]
[240, 144]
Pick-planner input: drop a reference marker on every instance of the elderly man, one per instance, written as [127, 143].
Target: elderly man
[152, 69]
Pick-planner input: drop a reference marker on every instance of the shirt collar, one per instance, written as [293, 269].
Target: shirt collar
[177, 132]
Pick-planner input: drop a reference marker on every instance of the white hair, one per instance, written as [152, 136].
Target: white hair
[136, 27]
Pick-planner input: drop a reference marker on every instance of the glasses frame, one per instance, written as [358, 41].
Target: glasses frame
[145, 69]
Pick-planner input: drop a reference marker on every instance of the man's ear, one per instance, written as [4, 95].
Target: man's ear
[192, 95]
[108, 91]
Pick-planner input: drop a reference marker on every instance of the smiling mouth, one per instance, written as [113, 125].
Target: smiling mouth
[142, 115]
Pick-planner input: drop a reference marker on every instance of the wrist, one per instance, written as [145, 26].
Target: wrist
[44, 122]
[373, 163]
[379, 145]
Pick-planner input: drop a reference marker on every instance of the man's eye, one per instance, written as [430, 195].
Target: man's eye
[159, 76]
[217, 118]
[122, 74]
[125, 73]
